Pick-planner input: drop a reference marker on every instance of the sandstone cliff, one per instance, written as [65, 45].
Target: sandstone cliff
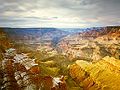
[100, 75]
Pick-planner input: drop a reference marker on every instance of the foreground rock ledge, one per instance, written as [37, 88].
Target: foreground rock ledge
[100, 75]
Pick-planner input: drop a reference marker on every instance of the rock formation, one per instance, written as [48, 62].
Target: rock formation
[93, 44]
[100, 75]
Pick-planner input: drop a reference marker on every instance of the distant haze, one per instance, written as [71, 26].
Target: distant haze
[59, 13]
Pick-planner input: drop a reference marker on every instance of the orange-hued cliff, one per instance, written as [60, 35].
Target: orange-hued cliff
[100, 75]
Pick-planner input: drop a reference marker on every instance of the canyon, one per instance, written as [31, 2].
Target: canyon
[60, 59]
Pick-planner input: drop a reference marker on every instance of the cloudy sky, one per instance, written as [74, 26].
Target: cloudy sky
[59, 13]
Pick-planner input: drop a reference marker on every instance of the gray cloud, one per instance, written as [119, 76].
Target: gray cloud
[54, 13]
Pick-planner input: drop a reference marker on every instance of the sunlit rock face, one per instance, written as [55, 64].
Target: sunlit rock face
[100, 75]
[92, 45]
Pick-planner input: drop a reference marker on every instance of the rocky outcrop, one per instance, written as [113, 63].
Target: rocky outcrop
[100, 75]
[19, 72]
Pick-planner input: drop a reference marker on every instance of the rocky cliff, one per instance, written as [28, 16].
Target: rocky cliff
[100, 75]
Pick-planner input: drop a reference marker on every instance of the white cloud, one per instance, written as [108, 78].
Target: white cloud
[59, 13]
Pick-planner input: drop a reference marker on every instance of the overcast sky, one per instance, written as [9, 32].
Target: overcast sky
[59, 13]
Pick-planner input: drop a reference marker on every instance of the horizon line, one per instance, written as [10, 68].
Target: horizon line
[63, 27]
